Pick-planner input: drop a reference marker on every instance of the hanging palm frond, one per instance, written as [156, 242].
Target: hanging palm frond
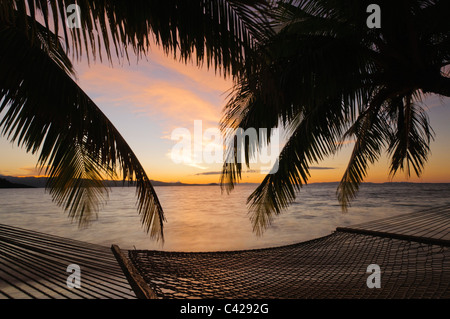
[370, 130]
[218, 32]
[46, 111]
[324, 51]
[316, 136]
[409, 144]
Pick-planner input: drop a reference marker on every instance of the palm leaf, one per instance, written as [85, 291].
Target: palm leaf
[219, 33]
[46, 111]
[76, 182]
[322, 52]
[410, 142]
[291, 78]
[316, 136]
[370, 131]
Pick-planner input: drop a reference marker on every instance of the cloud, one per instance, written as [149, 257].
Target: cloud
[202, 77]
[209, 173]
[175, 102]
[257, 171]
[168, 94]
[220, 172]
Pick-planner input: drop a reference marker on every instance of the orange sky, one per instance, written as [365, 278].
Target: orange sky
[148, 100]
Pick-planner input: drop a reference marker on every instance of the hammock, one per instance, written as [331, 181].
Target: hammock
[33, 265]
[412, 251]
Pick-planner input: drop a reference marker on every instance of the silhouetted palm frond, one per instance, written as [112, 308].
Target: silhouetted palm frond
[328, 77]
[46, 111]
[217, 32]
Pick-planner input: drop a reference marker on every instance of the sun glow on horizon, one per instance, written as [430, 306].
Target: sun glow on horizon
[149, 100]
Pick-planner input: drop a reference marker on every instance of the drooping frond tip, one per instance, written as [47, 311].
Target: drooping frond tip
[45, 111]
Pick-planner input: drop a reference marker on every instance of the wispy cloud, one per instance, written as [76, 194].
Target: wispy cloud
[201, 78]
[175, 102]
[209, 173]
[220, 172]
[257, 171]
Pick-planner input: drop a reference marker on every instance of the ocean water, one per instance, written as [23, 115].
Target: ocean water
[201, 218]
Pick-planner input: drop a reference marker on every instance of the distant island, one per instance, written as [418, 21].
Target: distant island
[39, 182]
[7, 184]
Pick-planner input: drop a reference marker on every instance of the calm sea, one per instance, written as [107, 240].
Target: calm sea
[201, 218]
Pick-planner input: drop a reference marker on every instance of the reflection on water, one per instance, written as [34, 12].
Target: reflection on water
[201, 218]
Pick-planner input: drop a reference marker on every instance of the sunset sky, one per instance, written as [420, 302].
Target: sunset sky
[148, 100]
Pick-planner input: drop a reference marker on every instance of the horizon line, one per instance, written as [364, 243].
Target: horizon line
[238, 183]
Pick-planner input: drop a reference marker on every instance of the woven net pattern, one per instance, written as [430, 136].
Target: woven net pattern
[334, 266]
